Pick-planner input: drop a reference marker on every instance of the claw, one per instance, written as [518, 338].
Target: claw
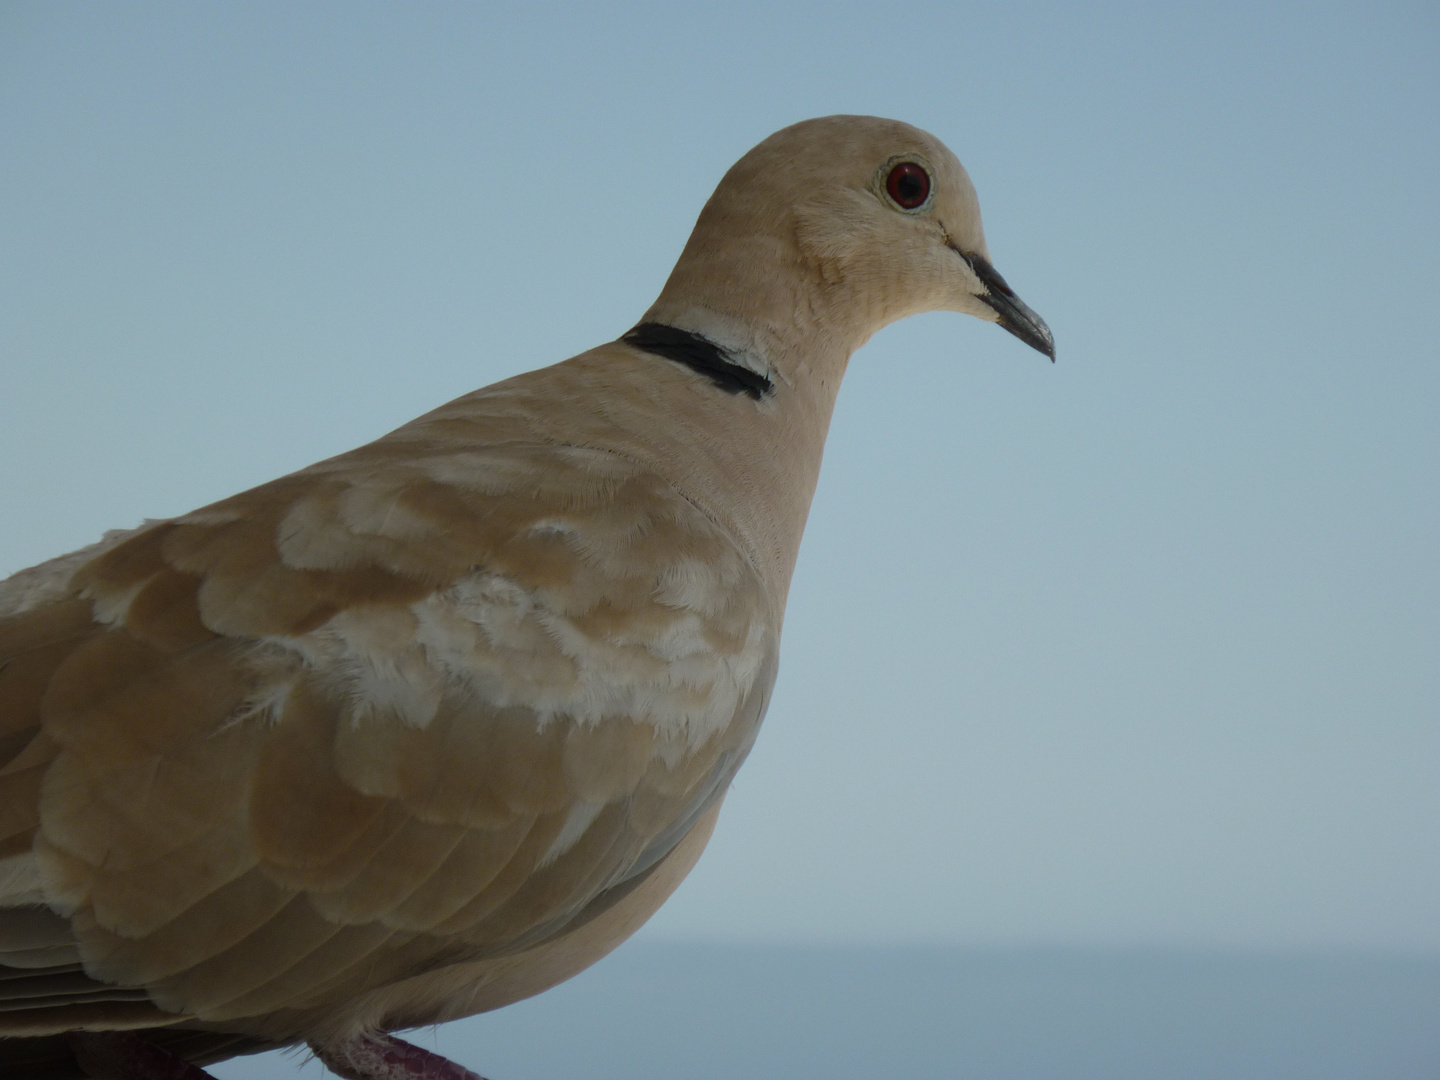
[384, 1057]
[119, 1055]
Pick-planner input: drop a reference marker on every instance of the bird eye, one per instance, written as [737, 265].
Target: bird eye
[908, 184]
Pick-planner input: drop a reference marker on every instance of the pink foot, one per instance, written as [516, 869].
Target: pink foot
[384, 1057]
[119, 1055]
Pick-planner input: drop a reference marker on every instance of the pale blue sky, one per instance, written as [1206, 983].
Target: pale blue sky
[1143, 647]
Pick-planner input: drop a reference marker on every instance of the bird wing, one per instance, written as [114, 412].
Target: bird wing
[425, 702]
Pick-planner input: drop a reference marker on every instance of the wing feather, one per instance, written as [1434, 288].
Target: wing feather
[474, 864]
[410, 858]
[396, 712]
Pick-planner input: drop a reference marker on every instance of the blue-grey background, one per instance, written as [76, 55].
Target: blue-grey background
[1137, 652]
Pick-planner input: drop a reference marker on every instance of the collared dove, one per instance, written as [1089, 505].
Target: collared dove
[431, 726]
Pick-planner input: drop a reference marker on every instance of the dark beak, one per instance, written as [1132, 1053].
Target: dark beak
[1015, 316]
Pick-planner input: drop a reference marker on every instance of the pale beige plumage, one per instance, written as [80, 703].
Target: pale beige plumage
[432, 725]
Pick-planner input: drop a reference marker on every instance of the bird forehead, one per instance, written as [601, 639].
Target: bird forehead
[855, 153]
[851, 147]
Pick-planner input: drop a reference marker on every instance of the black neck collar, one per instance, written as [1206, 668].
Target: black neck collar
[700, 355]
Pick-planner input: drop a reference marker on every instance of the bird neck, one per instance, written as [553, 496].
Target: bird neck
[770, 307]
[754, 463]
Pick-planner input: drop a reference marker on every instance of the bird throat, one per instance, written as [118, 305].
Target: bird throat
[700, 355]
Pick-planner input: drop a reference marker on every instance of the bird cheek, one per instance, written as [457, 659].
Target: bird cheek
[954, 287]
[967, 302]
[963, 289]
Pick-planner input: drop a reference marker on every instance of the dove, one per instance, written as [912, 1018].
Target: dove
[429, 727]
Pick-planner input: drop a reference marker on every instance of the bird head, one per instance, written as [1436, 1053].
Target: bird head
[847, 222]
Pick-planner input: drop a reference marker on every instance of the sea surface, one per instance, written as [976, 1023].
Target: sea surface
[656, 1011]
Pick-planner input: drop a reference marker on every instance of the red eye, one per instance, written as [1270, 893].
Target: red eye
[908, 184]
